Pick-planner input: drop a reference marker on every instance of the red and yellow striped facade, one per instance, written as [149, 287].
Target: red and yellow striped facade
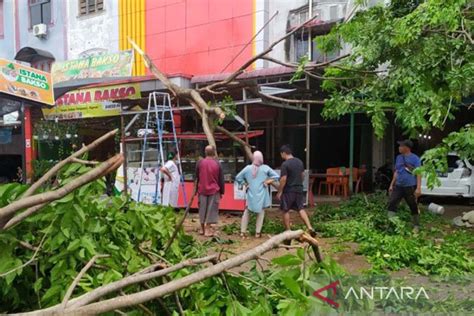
[190, 37]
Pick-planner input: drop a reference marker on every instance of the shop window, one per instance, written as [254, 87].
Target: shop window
[40, 11]
[44, 65]
[1, 19]
[301, 49]
[90, 6]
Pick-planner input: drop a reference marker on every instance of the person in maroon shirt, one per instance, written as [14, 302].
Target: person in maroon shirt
[210, 182]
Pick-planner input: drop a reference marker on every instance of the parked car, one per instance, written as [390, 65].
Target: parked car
[457, 181]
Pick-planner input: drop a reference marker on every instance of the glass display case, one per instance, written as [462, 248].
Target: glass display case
[230, 166]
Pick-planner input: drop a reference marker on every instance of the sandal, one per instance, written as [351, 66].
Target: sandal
[258, 235]
[244, 235]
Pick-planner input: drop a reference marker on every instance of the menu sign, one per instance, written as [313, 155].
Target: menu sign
[94, 102]
[101, 66]
[25, 82]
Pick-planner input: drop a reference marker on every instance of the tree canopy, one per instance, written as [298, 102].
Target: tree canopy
[412, 58]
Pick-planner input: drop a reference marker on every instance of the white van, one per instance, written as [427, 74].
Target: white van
[457, 181]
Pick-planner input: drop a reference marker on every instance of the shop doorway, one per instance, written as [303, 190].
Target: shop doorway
[10, 168]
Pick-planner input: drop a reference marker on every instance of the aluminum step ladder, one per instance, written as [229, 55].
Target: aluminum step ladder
[159, 106]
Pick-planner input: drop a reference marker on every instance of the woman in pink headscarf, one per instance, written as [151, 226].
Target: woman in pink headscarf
[256, 177]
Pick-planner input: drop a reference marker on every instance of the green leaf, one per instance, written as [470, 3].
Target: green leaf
[37, 286]
[287, 260]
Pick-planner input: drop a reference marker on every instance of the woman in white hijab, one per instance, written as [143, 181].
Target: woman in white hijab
[257, 177]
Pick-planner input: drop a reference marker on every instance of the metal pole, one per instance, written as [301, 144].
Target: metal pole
[246, 119]
[310, 42]
[124, 151]
[308, 136]
[351, 151]
[23, 140]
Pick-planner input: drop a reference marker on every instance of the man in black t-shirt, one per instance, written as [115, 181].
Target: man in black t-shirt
[290, 193]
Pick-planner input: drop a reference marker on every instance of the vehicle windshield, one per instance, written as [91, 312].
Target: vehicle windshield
[453, 162]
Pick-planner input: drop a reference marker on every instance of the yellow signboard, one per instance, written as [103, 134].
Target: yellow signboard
[102, 66]
[25, 82]
[94, 102]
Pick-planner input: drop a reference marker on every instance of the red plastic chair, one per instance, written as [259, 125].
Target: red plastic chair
[329, 182]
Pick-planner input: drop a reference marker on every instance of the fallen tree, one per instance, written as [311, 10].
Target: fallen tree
[34, 202]
[84, 305]
[208, 112]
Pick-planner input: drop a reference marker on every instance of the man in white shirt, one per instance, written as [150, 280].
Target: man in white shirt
[171, 178]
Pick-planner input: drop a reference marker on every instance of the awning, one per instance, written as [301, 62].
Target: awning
[197, 136]
[8, 105]
[148, 83]
[252, 74]
[30, 55]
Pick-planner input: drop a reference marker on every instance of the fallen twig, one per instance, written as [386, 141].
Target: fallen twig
[270, 290]
[85, 162]
[314, 245]
[180, 223]
[31, 259]
[78, 278]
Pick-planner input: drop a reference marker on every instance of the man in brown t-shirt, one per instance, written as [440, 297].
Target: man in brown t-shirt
[210, 182]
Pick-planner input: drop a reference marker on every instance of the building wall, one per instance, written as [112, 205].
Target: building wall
[55, 42]
[132, 25]
[94, 31]
[200, 36]
[7, 40]
[278, 25]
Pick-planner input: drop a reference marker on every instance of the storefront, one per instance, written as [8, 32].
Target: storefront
[23, 91]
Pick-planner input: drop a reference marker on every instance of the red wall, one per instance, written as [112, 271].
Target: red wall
[198, 36]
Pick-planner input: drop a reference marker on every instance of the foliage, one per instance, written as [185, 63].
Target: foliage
[414, 59]
[229, 108]
[40, 167]
[269, 226]
[72, 230]
[435, 159]
[390, 244]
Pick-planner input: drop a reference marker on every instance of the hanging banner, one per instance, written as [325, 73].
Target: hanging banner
[94, 102]
[25, 82]
[101, 66]
[149, 192]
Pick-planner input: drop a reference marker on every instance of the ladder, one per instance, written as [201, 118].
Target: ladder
[159, 106]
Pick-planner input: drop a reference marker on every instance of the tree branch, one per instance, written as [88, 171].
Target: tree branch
[77, 279]
[85, 162]
[247, 147]
[50, 196]
[30, 260]
[290, 101]
[51, 172]
[270, 290]
[160, 291]
[242, 68]
[359, 70]
[18, 218]
[133, 279]
[28, 246]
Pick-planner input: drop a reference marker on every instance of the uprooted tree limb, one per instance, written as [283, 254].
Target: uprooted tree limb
[34, 202]
[88, 304]
[72, 158]
[209, 112]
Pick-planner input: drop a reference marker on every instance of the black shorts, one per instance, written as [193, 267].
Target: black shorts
[292, 201]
